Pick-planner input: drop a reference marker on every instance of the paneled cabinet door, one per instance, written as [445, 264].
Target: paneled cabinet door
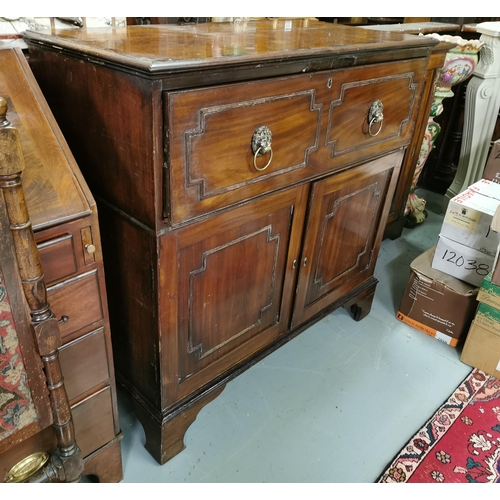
[344, 223]
[233, 292]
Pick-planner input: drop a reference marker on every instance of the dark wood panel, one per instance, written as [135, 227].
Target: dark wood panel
[132, 306]
[114, 131]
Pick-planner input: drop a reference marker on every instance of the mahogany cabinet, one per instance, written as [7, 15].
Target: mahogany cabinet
[244, 176]
[63, 214]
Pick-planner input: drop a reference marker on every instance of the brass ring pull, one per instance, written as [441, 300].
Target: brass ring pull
[27, 467]
[375, 115]
[260, 169]
[261, 144]
[372, 122]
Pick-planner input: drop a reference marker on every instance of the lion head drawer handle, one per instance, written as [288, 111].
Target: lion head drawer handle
[375, 115]
[261, 145]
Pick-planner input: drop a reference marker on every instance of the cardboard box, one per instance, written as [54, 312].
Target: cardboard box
[469, 215]
[495, 226]
[461, 261]
[482, 350]
[492, 167]
[489, 293]
[436, 303]
[488, 317]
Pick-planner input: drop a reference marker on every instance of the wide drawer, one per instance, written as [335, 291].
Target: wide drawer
[311, 124]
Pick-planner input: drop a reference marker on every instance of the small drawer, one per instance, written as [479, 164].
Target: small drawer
[76, 303]
[58, 258]
[93, 421]
[84, 363]
[229, 143]
[372, 107]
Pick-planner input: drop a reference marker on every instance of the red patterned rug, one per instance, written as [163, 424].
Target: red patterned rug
[460, 443]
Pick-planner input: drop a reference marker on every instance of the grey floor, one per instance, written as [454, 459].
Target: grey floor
[334, 405]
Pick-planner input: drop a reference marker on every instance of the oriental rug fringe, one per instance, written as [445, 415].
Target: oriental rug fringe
[460, 443]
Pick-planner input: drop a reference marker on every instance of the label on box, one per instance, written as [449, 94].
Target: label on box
[461, 261]
[415, 324]
[443, 337]
[427, 330]
[498, 366]
[469, 215]
[488, 317]
[463, 217]
[489, 293]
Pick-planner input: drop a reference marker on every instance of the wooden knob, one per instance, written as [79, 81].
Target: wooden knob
[90, 248]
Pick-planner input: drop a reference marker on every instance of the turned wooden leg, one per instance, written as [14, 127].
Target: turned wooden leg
[166, 440]
[106, 463]
[361, 305]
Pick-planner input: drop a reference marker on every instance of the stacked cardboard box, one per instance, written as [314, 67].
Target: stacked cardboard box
[492, 168]
[482, 347]
[495, 226]
[467, 245]
[441, 296]
[436, 303]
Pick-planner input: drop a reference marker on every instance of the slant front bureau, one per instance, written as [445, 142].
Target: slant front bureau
[64, 219]
[244, 176]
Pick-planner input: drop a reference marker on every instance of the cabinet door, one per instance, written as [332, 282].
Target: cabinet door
[344, 228]
[230, 293]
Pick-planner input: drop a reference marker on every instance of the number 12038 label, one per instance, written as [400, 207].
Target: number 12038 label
[481, 269]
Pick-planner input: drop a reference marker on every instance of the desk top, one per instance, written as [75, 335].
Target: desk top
[54, 188]
[171, 48]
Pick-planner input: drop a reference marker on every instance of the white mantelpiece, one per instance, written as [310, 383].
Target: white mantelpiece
[482, 103]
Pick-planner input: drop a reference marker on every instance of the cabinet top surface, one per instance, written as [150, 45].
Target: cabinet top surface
[54, 189]
[156, 48]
